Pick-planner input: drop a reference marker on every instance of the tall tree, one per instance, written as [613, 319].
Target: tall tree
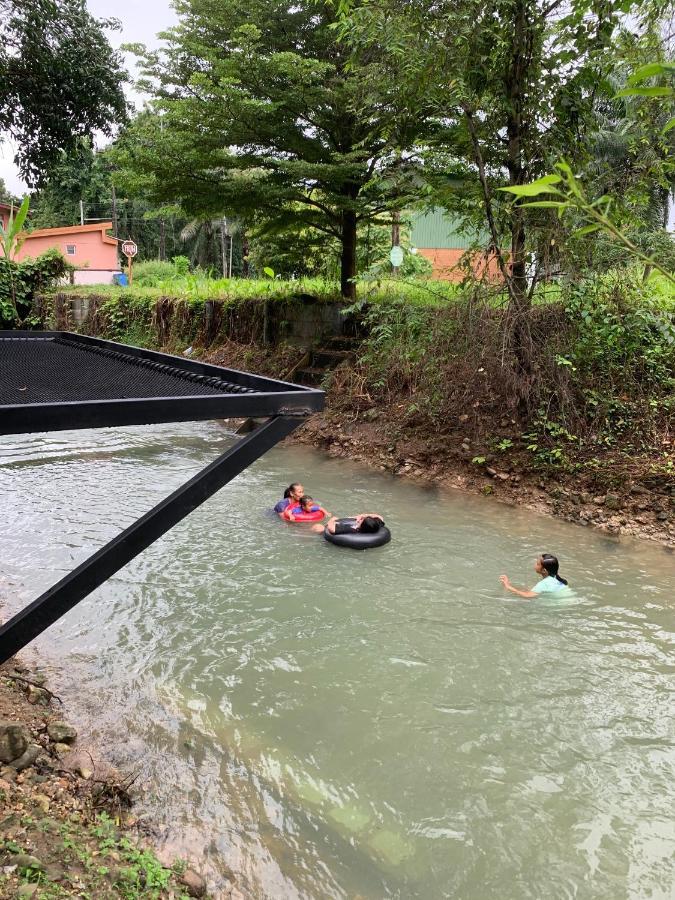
[59, 79]
[262, 112]
[515, 83]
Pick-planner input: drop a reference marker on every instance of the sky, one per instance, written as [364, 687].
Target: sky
[140, 23]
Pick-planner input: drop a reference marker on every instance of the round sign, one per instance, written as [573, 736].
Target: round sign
[396, 256]
[129, 248]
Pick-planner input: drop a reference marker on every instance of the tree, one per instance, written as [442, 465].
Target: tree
[515, 83]
[59, 79]
[80, 174]
[6, 196]
[261, 112]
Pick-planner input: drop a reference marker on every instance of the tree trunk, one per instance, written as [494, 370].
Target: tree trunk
[244, 251]
[348, 257]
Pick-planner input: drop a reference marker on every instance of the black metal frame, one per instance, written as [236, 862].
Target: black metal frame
[61, 597]
[264, 396]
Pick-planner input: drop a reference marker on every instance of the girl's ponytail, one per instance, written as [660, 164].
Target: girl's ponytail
[550, 563]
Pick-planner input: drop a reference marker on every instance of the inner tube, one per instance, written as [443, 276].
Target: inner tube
[359, 540]
[314, 516]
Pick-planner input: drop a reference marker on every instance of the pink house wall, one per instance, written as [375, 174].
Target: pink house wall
[93, 248]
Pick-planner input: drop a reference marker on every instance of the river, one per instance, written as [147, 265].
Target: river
[330, 723]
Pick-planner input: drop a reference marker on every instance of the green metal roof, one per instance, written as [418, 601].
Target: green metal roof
[437, 229]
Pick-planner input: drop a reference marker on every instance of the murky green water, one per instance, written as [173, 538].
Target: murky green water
[380, 724]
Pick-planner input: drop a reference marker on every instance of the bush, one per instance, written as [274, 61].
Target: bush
[20, 282]
[152, 272]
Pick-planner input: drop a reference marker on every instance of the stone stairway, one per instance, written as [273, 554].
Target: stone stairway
[323, 359]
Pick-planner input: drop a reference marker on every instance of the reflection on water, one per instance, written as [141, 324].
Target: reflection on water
[341, 724]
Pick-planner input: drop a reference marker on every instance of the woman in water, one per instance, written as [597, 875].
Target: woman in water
[292, 496]
[307, 505]
[547, 567]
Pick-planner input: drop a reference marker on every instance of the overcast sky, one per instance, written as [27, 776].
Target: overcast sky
[140, 23]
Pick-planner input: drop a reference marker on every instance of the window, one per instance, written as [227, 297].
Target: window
[70, 249]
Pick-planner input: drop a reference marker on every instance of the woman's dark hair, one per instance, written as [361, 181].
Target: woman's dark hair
[370, 525]
[305, 501]
[290, 489]
[550, 563]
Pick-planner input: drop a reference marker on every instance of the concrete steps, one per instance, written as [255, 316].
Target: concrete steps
[323, 360]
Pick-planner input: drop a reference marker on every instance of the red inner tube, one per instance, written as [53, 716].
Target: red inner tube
[315, 516]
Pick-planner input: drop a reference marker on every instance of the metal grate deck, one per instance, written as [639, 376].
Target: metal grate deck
[57, 380]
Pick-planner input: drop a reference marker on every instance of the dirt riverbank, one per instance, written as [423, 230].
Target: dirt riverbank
[619, 492]
[376, 440]
[67, 823]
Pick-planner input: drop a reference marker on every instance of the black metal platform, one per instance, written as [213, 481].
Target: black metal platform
[54, 380]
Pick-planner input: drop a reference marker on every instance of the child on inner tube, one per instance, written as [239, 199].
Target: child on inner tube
[306, 505]
[366, 523]
[546, 566]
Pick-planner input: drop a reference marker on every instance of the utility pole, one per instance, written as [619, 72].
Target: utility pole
[81, 212]
[114, 212]
[231, 242]
[223, 253]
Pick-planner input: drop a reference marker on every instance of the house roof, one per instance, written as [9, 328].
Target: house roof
[437, 229]
[73, 230]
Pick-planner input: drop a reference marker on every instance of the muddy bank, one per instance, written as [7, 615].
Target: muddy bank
[618, 493]
[67, 823]
[376, 439]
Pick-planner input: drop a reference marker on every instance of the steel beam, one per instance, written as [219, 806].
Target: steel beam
[55, 602]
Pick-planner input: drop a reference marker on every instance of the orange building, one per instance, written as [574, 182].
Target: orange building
[88, 248]
[438, 238]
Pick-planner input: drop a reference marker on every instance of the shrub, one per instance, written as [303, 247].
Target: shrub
[20, 282]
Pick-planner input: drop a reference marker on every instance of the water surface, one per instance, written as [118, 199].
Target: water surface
[341, 724]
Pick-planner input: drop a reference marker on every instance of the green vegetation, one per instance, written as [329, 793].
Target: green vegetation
[92, 860]
[59, 79]
[21, 282]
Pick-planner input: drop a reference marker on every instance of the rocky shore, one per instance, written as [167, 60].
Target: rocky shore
[67, 827]
[376, 439]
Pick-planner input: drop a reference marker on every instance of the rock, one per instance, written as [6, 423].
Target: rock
[193, 883]
[42, 802]
[14, 740]
[84, 772]
[54, 872]
[613, 501]
[37, 695]
[61, 732]
[585, 497]
[598, 501]
[490, 471]
[662, 516]
[639, 489]
[502, 476]
[463, 418]
[26, 861]
[487, 489]
[28, 758]
[27, 890]
[61, 749]
[8, 774]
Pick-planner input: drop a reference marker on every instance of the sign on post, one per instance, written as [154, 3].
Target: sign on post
[130, 250]
[396, 256]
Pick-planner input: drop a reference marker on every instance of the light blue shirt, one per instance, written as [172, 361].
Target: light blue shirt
[548, 584]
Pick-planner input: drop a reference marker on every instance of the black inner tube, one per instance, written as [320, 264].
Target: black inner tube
[359, 540]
